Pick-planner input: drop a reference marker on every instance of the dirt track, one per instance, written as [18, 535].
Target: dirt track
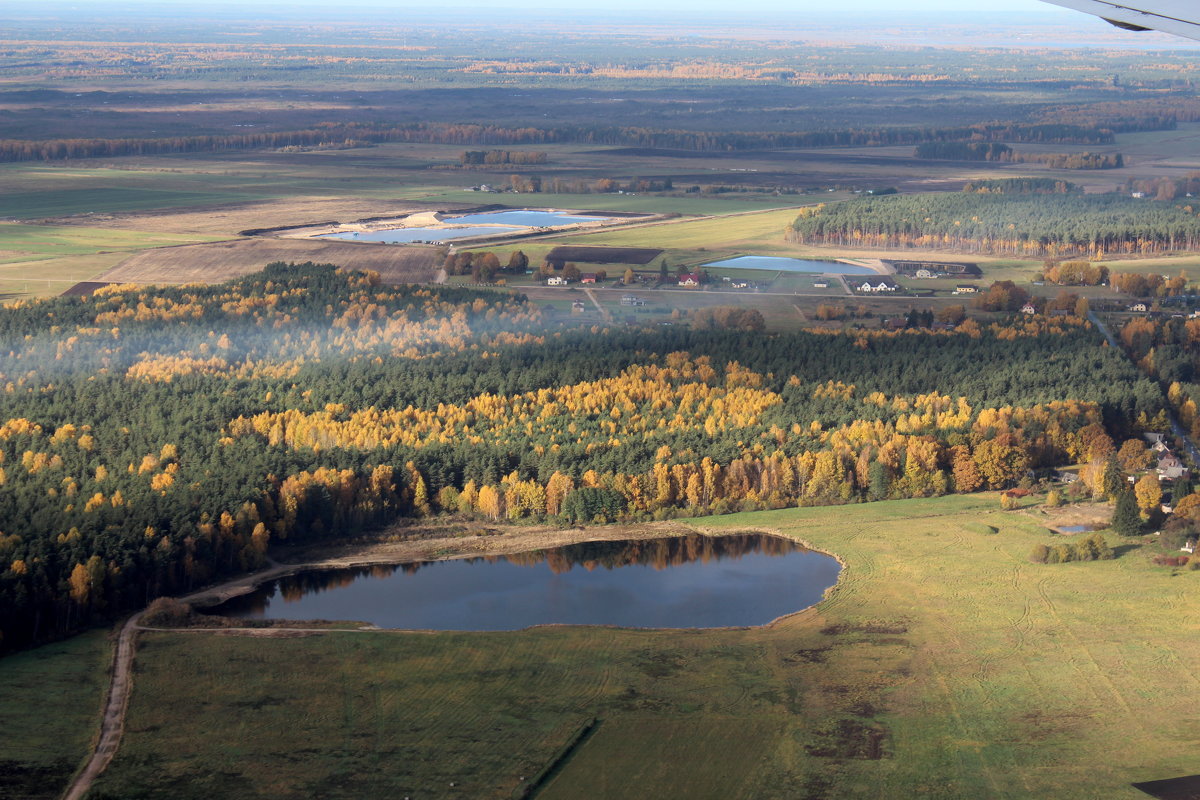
[112, 725]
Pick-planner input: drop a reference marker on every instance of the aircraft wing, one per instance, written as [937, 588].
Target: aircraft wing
[1180, 17]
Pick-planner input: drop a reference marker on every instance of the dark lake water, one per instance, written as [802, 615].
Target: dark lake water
[681, 582]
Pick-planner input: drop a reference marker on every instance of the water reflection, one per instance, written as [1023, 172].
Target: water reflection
[689, 581]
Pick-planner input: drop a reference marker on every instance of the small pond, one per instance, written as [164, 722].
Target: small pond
[791, 265]
[690, 581]
[1078, 528]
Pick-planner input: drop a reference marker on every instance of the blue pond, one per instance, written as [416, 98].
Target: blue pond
[504, 222]
[405, 235]
[791, 265]
[689, 581]
[522, 218]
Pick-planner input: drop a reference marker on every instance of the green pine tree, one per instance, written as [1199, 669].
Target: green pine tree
[1126, 520]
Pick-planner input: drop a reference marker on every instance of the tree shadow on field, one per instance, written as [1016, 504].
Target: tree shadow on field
[1120, 550]
[1173, 788]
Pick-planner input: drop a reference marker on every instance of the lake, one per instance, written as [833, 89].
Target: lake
[407, 235]
[689, 581]
[496, 222]
[791, 265]
[522, 218]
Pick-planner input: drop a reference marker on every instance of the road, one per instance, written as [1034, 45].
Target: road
[112, 725]
[1193, 452]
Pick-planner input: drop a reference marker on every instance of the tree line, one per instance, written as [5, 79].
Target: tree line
[476, 134]
[1010, 224]
[1002, 153]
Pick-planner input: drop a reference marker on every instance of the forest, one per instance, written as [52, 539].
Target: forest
[1005, 224]
[1169, 351]
[1003, 154]
[153, 439]
[476, 134]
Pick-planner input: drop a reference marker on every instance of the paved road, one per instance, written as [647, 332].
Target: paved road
[1192, 451]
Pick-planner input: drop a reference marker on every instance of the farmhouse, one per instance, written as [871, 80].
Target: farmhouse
[881, 285]
[689, 279]
[1138, 307]
[965, 288]
[556, 280]
[1029, 308]
[587, 277]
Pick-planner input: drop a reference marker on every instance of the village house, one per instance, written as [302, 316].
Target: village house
[964, 288]
[556, 280]
[587, 277]
[1029, 308]
[1170, 468]
[1138, 307]
[689, 279]
[873, 287]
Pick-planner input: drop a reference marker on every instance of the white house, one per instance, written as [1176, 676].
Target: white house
[556, 280]
[1029, 308]
[1141, 307]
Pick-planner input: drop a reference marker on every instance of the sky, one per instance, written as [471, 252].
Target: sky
[1007, 23]
[791, 9]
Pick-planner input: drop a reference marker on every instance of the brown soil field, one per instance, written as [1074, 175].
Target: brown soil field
[220, 261]
[603, 255]
[84, 289]
[231, 218]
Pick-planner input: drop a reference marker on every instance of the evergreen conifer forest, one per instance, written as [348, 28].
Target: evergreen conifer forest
[154, 439]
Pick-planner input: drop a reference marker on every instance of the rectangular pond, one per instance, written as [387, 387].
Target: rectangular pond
[791, 265]
[691, 581]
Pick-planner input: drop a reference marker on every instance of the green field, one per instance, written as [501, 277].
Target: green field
[945, 665]
[730, 233]
[50, 701]
[33, 205]
[20, 243]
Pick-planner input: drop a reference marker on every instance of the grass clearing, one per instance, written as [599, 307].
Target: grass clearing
[722, 233]
[49, 709]
[945, 665]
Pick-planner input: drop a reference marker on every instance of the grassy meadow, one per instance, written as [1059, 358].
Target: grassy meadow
[50, 703]
[944, 665]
